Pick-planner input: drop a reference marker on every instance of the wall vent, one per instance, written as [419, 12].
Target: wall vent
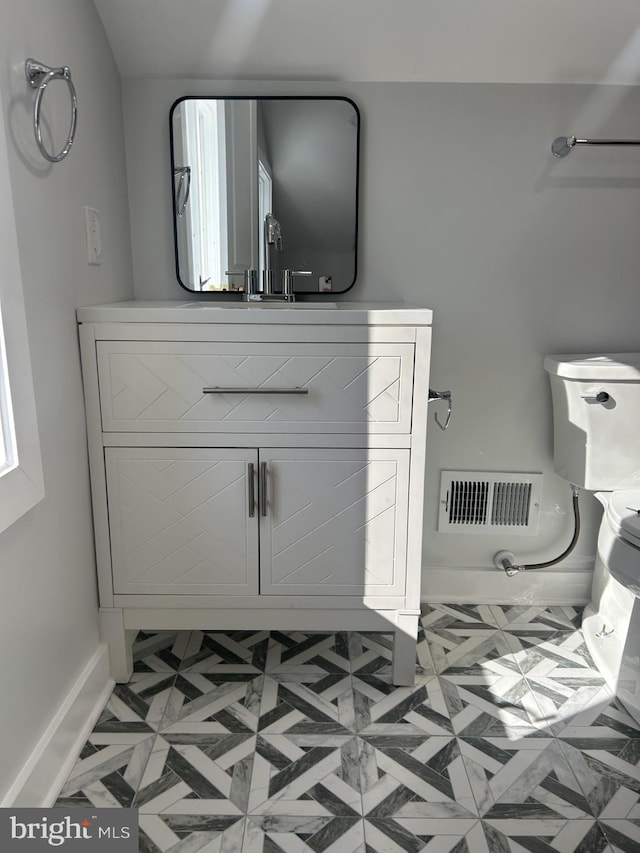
[480, 502]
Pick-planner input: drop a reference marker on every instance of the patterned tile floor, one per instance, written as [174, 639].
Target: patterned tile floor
[265, 742]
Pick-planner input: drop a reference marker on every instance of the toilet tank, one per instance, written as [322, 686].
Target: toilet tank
[596, 419]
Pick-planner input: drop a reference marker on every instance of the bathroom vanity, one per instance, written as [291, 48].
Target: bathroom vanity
[257, 467]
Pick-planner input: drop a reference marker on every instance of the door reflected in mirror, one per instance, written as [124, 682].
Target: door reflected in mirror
[265, 184]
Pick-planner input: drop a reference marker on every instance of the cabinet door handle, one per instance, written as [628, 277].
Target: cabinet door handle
[255, 390]
[252, 489]
[263, 488]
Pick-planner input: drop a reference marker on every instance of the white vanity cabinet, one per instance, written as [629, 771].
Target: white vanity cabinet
[257, 467]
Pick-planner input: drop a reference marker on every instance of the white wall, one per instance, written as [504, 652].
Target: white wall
[463, 209]
[576, 41]
[48, 609]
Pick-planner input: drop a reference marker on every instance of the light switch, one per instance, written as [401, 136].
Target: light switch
[94, 239]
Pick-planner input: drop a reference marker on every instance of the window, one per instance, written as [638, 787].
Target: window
[204, 144]
[21, 481]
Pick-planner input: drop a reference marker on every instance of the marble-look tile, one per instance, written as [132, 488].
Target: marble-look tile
[604, 717]
[226, 652]
[623, 835]
[381, 708]
[561, 675]
[109, 770]
[306, 775]
[298, 833]
[299, 703]
[525, 618]
[199, 777]
[468, 705]
[164, 651]
[310, 653]
[410, 777]
[461, 641]
[188, 833]
[218, 703]
[480, 614]
[425, 664]
[608, 771]
[138, 706]
[263, 742]
[554, 654]
[485, 836]
[486, 704]
[414, 835]
[552, 835]
[371, 653]
[528, 778]
[560, 700]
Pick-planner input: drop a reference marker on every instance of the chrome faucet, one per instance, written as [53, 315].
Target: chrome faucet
[252, 294]
[272, 237]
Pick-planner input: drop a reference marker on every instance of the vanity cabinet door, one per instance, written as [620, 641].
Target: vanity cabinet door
[182, 520]
[333, 522]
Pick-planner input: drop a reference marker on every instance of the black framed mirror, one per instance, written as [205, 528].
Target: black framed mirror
[266, 184]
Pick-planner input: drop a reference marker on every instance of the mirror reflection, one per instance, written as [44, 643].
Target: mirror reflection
[265, 193]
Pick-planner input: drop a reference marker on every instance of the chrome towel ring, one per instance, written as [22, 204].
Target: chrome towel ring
[39, 76]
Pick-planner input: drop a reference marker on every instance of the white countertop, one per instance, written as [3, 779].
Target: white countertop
[295, 313]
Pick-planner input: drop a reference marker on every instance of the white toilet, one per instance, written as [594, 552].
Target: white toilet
[596, 414]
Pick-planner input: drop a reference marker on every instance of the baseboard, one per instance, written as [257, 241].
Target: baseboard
[50, 763]
[469, 585]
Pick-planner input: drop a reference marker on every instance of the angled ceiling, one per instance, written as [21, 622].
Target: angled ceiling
[519, 41]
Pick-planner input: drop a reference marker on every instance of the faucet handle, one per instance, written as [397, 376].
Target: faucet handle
[250, 279]
[287, 281]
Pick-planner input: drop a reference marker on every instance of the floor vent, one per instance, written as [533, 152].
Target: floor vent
[477, 502]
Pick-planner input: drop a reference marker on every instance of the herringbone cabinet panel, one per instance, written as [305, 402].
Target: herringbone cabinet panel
[336, 522]
[352, 388]
[179, 521]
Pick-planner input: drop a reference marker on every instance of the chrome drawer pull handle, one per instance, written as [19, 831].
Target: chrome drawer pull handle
[252, 492]
[263, 488]
[255, 390]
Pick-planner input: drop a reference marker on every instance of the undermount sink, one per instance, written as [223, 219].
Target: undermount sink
[300, 306]
[296, 306]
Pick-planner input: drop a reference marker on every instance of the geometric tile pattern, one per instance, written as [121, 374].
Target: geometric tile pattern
[271, 742]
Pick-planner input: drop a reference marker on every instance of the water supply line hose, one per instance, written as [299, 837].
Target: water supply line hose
[505, 559]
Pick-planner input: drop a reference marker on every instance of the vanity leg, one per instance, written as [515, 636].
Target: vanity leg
[119, 641]
[405, 640]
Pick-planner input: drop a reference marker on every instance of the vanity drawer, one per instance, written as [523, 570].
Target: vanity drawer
[160, 386]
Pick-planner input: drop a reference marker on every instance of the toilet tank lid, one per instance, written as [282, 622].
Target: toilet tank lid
[621, 366]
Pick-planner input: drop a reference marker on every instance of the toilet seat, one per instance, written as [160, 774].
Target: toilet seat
[623, 515]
